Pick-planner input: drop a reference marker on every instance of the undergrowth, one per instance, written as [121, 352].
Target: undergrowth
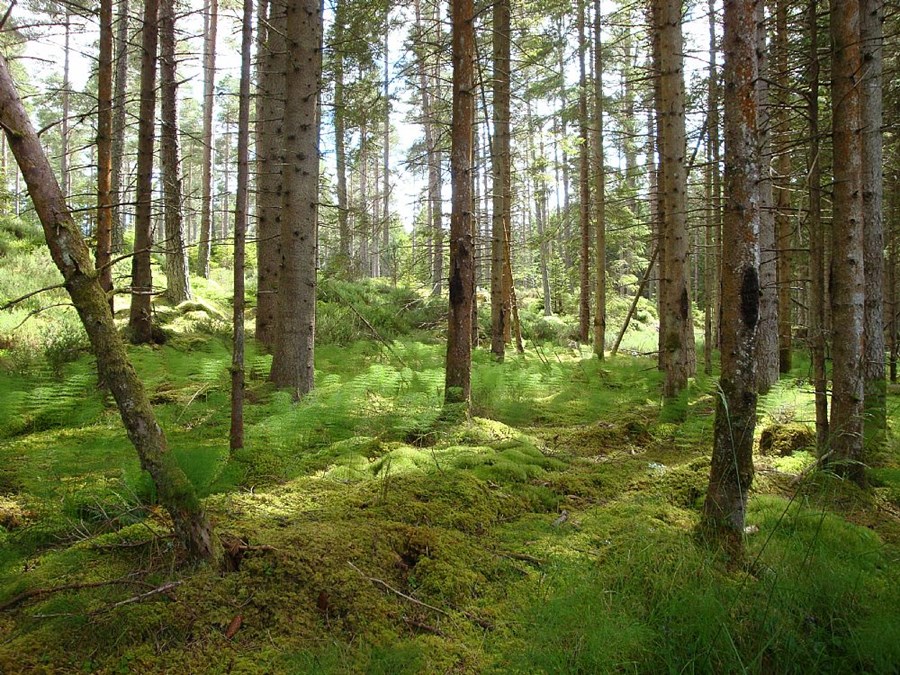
[554, 532]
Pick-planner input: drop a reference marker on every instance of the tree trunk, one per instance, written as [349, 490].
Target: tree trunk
[731, 473]
[178, 281]
[104, 150]
[72, 257]
[500, 214]
[140, 328]
[240, 230]
[599, 194]
[270, 99]
[204, 245]
[818, 299]
[118, 126]
[457, 389]
[434, 175]
[293, 362]
[767, 339]
[678, 338]
[340, 142]
[384, 261]
[871, 110]
[584, 213]
[783, 212]
[847, 274]
[64, 123]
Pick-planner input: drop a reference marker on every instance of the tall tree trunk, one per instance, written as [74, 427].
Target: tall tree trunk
[72, 257]
[731, 473]
[118, 125]
[104, 150]
[713, 200]
[599, 194]
[847, 273]
[678, 340]
[210, 23]
[871, 110]
[340, 141]
[240, 230]
[385, 253]
[434, 173]
[783, 228]
[818, 294]
[178, 281]
[269, 173]
[500, 214]
[767, 339]
[584, 212]
[64, 95]
[457, 389]
[293, 361]
[140, 328]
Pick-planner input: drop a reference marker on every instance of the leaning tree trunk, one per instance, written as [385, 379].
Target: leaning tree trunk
[140, 328]
[457, 388]
[72, 257]
[104, 150]
[732, 463]
[848, 276]
[293, 360]
[178, 281]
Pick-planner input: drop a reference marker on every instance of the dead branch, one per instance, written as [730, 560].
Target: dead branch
[40, 592]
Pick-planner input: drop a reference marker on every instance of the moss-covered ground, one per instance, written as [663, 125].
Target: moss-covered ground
[555, 532]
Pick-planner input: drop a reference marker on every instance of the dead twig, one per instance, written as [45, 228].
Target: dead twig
[40, 592]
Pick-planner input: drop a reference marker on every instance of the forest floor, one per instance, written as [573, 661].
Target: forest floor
[554, 532]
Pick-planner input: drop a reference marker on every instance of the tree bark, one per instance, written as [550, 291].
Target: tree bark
[731, 473]
[204, 245]
[871, 110]
[783, 212]
[140, 328]
[599, 194]
[293, 361]
[72, 257]
[848, 274]
[500, 214]
[178, 281]
[584, 213]
[457, 389]
[118, 126]
[104, 150]
[340, 141]
[240, 229]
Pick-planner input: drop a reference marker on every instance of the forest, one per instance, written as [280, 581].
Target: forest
[425, 336]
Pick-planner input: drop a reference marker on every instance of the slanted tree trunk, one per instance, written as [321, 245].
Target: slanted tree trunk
[269, 173]
[500, 214]
[767, 339]
[140, 328]
[240, 230]
[104, 150]
[584, 211]
[817, 291]
[871, 108]
[599, 194]
[118, 126]
[457, 387]
[204, 245]
[678, 338]
[847, 272]
[293, 361]
[731, 473]
[178, 281]
[72, 257]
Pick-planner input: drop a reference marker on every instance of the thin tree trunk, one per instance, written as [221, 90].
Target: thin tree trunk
[783, 227]
[340, 142]
[104, 150]
[204, 246]
[293, 361]
[140, 328]
[385, 262]
[457, 389]
[599, 194]
[871, 110]
[500, 214]
[118, 126]
[64, 123]
[178, 281]
[584, 297]
[731, 473]
[434, 174]
[847, 275]
[240, 230]
[72, 257]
